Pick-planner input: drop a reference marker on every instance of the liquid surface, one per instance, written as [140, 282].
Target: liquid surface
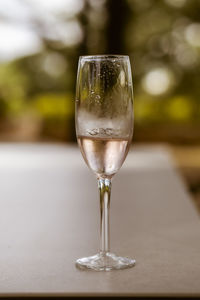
[104, 156]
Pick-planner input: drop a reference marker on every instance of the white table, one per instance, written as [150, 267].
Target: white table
[49, 217]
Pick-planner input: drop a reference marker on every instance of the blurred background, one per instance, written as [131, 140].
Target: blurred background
[39, 49]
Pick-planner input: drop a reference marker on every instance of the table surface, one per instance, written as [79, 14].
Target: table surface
[49, 217]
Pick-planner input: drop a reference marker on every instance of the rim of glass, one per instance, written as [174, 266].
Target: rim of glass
[104, 56]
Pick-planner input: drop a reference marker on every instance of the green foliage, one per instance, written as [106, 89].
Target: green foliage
[17, 107]
[54, 106]
[13, 83]
[179, 109]
[13, 90]
[175, 109]
[155, 34]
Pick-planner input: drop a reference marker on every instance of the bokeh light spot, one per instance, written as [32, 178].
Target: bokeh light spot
[54, 64]
[157, 81]
[17, 41]
[176, 3]
[192, 34]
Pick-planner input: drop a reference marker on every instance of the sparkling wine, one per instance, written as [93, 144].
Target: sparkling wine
[104, 155]
[104, 129]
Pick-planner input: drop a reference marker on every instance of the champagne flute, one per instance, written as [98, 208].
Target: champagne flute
[104, 129]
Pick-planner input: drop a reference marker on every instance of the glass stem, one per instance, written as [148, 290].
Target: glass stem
[104, 185]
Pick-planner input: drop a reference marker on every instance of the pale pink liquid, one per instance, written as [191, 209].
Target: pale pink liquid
[104, 156]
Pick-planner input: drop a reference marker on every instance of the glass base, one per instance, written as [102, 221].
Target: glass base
[105, 262]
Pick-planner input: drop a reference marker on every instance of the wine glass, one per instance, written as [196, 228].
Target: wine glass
[104, 129]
